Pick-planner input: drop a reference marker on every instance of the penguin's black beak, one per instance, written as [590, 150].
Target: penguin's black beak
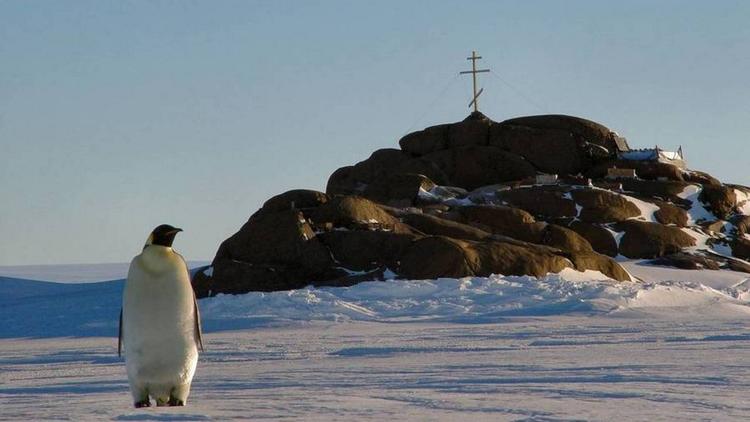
[175, 230]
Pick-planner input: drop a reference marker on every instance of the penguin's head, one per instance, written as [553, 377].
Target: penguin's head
[163, 235]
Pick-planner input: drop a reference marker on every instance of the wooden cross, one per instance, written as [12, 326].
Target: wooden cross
[474, 71]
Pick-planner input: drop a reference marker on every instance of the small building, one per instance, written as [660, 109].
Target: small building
[620, 173]
[655, 154]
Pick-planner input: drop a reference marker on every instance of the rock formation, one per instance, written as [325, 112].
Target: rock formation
[462, 199]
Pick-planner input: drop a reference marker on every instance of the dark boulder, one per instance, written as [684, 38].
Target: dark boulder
[281, 237]
[513, 259]
[671, 214]
[563, 238]
[345, 181]
[365, 250]
[700, 178]
[519, 224]
[355, 212]
[737, 265]
[382, 163]
[650, 240]
[437, 256]
[742, 223]
[541, 201]
[576, 127]
[474, 130]
[599, 237]
[583, 261]
[550, 150]
[295, 199]
[476, 166]
[666, 190]
[741, 248]
[713, 227]
[601, 206]
[687, 261]
[431, 139]
[398, 189]
[721, 200]
[433, 225]
[502, 220]
[237, 277]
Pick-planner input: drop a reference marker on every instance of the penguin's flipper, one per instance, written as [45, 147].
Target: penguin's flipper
[198, 330]
[119, 336]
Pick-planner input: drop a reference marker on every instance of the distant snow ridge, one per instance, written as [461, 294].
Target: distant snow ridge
[92, 309]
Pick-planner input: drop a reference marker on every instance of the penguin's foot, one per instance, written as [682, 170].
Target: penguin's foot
[176, 402]
[143, 403]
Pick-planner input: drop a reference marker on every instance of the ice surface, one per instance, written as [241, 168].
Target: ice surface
[570, 346]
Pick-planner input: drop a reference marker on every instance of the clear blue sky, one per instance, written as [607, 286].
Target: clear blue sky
[119, 116]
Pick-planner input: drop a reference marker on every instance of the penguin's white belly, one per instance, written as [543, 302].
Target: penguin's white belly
[159, 328]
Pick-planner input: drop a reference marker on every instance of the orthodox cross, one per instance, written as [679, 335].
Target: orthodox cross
[474, 71]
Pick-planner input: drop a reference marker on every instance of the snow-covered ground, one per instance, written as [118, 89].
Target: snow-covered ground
[572, 346]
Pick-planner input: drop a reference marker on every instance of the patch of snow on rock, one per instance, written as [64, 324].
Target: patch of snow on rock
[697, 211]
[647, 209]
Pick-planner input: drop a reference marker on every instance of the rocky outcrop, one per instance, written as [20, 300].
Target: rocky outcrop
[467, 199]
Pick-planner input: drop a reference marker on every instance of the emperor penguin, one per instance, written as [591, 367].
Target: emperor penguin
[160, 325]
